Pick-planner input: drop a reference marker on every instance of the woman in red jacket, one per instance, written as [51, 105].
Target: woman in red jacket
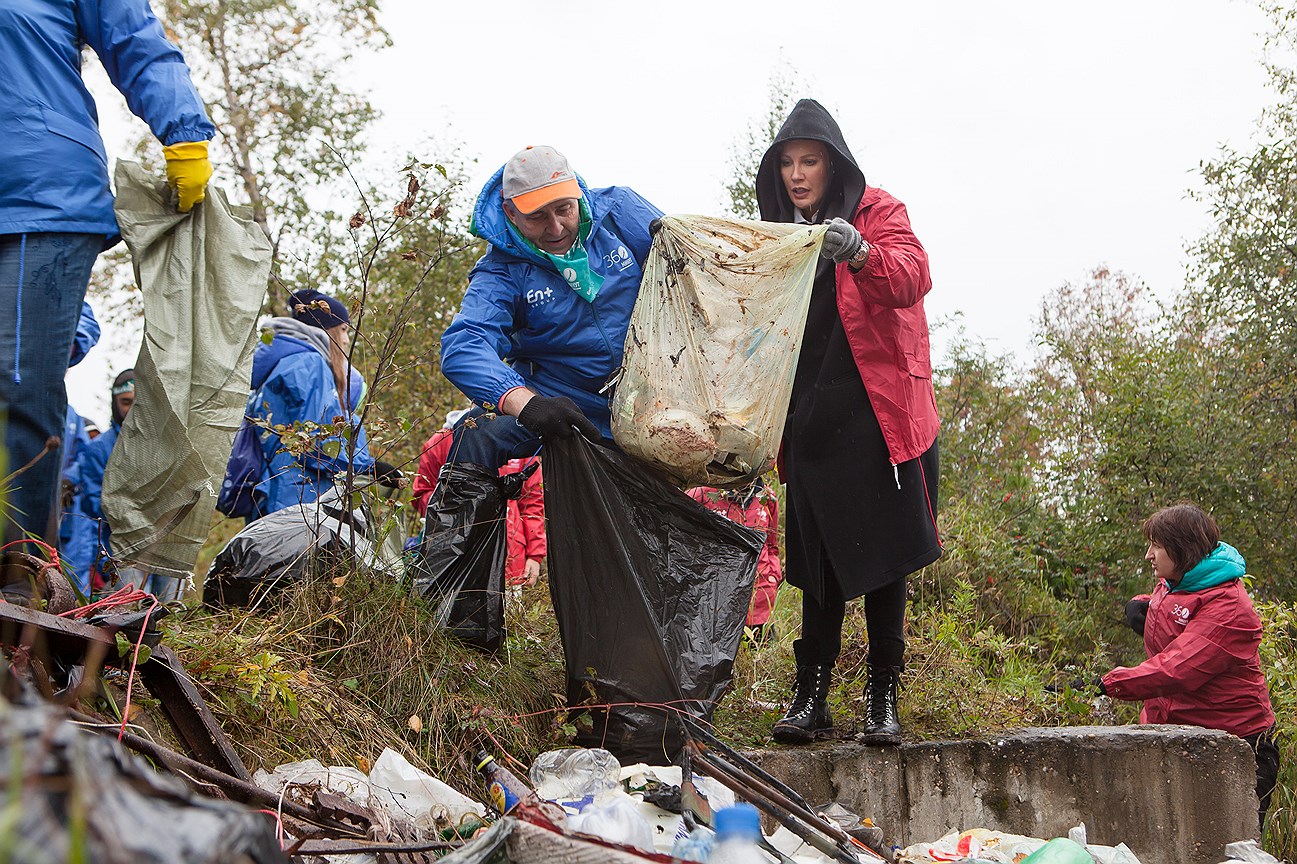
[756, 507]
[1201, 634]
[860, 444]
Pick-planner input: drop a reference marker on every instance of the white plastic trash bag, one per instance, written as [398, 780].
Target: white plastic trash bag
[414, 796]
[712, 347]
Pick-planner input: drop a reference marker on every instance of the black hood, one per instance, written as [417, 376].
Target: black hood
[809, 120]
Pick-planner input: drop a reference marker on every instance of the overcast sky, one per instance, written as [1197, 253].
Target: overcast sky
[1030, 141]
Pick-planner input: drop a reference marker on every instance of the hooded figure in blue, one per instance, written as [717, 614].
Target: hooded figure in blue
[301, 376]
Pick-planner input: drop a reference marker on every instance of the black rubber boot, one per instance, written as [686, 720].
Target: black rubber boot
[882, 724]
[808, 717]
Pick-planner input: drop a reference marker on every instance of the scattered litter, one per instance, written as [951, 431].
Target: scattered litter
[394, 789]
[84, 797]
[1000, 847]
[1248, 850]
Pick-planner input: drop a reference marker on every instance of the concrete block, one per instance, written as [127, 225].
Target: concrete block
[1173, 794]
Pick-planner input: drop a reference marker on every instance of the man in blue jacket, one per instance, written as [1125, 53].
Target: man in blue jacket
[56, 209]
[541, 329]
[542, 325]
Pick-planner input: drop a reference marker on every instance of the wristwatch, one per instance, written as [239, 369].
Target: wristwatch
[862, 255]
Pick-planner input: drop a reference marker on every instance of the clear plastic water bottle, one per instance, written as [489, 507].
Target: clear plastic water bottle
[697, 845]
[738, 830]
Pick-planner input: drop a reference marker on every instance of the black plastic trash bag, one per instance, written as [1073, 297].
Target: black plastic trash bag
[81, 796]
[279, 549]
[460, 563]
[651, 590]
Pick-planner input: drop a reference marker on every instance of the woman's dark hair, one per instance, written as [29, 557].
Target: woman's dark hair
[1185, 531]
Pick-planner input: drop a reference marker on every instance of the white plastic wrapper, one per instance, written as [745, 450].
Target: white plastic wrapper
[712, 347]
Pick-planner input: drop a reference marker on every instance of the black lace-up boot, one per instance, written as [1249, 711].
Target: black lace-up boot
[882, 724]
[808, 717]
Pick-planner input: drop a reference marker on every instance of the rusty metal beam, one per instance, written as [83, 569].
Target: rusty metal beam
[73, 641]
[189, 715]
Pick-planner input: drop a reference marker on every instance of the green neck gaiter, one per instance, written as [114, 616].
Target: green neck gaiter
[573, 265]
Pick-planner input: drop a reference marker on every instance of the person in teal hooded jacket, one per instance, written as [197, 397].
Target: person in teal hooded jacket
[1202, 636]
[56, 207]
[542, 325]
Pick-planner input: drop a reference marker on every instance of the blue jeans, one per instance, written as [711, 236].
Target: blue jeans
[491, 441]
[43, 280]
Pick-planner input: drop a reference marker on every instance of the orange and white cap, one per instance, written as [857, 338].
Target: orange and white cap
[538, 176]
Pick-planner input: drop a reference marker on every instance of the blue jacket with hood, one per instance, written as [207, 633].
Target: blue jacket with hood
[521, 325]
[55, 175]
[292, 382]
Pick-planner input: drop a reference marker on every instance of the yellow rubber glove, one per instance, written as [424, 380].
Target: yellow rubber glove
[188, 170]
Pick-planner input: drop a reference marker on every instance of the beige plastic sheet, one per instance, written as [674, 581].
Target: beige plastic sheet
[203, 275]
[713, 345]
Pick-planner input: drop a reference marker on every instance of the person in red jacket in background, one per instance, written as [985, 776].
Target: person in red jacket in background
[1201, 634]
[756, 507]
[525, 528]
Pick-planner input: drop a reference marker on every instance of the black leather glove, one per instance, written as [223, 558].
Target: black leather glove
[1136, 613]
[655, 226]
[554, 417]
[388, 475]
[1080, 685]
[841, 240]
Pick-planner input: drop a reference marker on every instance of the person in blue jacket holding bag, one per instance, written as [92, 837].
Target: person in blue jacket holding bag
[56, 208]
[540, 332]
[305, 375]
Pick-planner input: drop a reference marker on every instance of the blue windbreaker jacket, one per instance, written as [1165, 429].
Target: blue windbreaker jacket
[55, 175]
[76, 530]
[521, 325]
[89, 468]
[292, 382]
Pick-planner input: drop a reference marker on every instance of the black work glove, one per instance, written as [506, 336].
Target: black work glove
[554, 417]
[1136, 614]
[1078, 684]
[655, 226]
[388, 475]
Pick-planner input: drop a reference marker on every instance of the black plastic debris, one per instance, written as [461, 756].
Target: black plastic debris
[79, 796]
[280, 549]
[651, 590]
[460, 564]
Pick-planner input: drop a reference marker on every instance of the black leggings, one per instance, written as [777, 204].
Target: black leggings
[1267, 767]
[821, 641]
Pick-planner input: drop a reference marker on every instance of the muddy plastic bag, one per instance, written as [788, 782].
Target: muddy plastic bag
[460, 563]
[84, 797]
[650, 590]
[202, 275]
[712, 347]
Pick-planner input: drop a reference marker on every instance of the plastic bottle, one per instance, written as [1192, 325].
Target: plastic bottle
[697, 845]
[503, 788]
[738, 830]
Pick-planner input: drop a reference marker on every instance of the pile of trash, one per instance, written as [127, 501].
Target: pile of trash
[984, 846]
